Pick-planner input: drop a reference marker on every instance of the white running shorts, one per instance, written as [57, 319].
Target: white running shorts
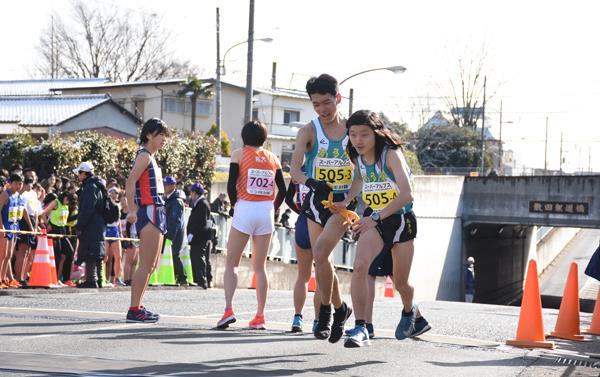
[254, 218]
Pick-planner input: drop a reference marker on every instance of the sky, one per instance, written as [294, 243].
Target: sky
[542, 59]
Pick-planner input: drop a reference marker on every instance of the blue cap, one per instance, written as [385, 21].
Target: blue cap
[168, 180]
[198, 188]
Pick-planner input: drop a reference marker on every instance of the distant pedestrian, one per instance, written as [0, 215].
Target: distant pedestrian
[174, 206]
[470, 279]
[218, 205]
[199, 230]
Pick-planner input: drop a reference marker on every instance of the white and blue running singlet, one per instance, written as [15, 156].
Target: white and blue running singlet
[327, 160]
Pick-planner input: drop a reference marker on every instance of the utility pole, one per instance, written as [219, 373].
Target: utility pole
[546, 150]
[483, 130]
[561, 154]
[248, 103]
[350, 101]
[218, 83]
[501, 167]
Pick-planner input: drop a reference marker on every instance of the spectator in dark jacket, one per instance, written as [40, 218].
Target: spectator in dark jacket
[218, 205]
[199, 233]
[90, 225]
[174, 203]
[470, 279]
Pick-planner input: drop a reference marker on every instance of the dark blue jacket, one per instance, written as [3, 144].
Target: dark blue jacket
[469, 280]
[90, 222]
[174, 206]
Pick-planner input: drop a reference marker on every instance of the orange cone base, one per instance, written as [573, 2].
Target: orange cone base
[530, 344]
[592, 331]
[567, 337]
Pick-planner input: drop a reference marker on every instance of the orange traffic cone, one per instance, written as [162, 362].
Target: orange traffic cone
[530, 333]
[567, 323]
[40, 269]
[312, 283]
[53, 276]
[389, 287]
[253, 283]
[595, 326]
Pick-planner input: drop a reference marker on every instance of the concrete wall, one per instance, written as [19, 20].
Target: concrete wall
[551, 245]
[436, 272]
[506, 200]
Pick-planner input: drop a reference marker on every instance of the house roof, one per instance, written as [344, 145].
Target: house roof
[50, 110]
[281, 92]
[42, 87]
[107, 84]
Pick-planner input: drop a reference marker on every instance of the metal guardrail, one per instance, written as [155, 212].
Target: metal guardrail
[282, 245]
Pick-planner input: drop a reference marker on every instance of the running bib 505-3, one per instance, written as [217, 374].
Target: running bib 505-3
[260, 182]
[335, 171]
[378, 195]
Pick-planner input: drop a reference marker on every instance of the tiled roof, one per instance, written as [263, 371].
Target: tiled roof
[42, 87]
[46, 110]
[107, 84]
[291, 93]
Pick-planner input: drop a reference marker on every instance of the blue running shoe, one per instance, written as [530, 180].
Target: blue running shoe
[370, 330]
[358, 337]
[297, 323]
[315, 324]
[141, 316]
[406, 326]
[421, 327]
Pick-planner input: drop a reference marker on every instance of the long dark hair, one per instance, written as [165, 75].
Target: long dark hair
[383, 135]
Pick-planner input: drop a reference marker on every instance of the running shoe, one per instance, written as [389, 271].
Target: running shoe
[421, 327]
[119, 283]
[323, 328]
[141, 316]
[149, 313]
[70, 283]
[370, 330]
[108, 284]
[297, 323]
[339, 320]
[358, 337]
[258, 322]
[406, 326]
[3, 285]
[14, 284]
[315, 324]
[227, 319]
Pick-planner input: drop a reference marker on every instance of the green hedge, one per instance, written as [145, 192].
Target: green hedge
[189, 158]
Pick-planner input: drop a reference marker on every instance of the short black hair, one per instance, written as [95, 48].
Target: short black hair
[153, 126]
[15, 178]
[324, 84]
[254, 133]
[28, 181]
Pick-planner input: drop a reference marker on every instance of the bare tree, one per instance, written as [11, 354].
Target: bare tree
[113, 43]
[464, 94]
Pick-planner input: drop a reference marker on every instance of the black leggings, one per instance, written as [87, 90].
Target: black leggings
[62, 246]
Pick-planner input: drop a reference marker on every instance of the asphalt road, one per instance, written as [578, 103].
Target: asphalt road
[78, 333]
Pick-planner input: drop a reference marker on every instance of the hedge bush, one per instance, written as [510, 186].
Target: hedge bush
[189, 158]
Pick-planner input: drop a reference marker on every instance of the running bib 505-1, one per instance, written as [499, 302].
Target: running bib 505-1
[378, 195]
[260, 182]
[335, 171]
